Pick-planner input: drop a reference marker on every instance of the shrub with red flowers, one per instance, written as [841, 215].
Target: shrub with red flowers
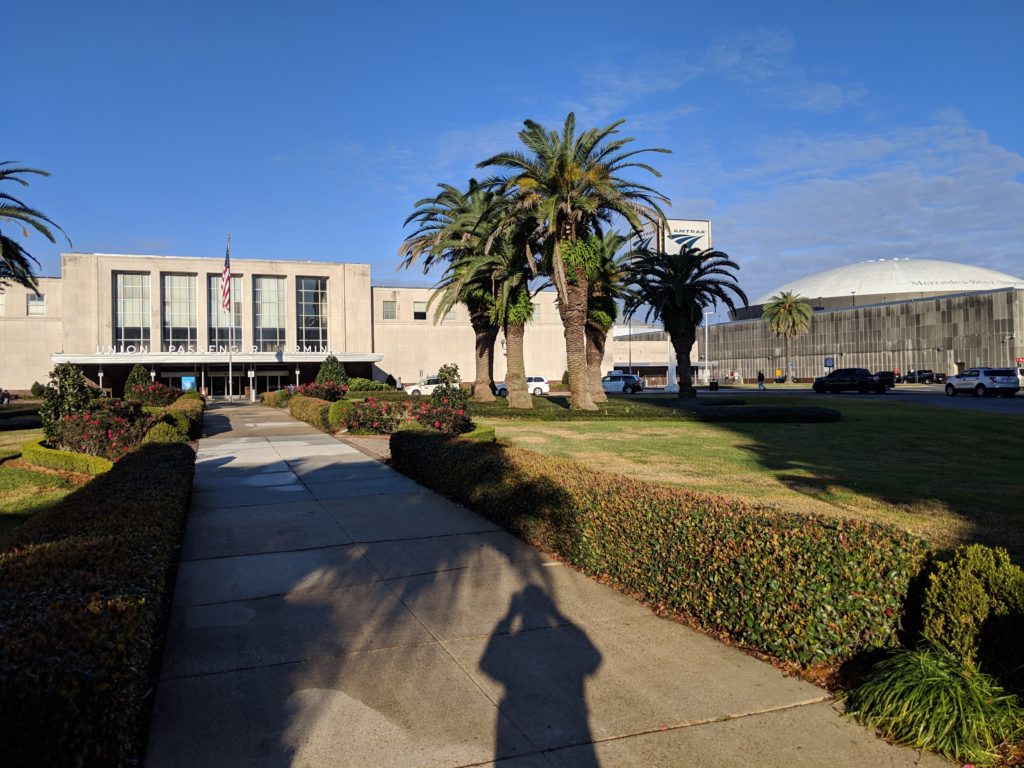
[376, 417]
[323, 390]
[111, 430]
[153, 393]
[447, 411]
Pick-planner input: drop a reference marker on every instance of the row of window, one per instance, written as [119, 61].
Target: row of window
[179, 318]
[35, 305]
[419, 311]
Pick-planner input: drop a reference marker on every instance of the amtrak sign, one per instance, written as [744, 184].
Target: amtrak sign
[687, 233]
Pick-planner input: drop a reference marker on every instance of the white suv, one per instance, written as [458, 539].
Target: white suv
[984, 381]
[425, 386]
[535, 385]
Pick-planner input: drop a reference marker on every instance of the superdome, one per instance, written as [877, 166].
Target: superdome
[893, 279]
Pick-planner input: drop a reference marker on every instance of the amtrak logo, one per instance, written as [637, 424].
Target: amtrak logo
[685, 241]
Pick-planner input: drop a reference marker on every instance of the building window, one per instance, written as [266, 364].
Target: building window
[311, 302]
[390, 310]
[268, 313]
[225, 327]
[419, 310]
[131, 309]
[36, 305]
[179, 315]
[449, 316]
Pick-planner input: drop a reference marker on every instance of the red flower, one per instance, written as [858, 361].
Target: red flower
[437, 424]
[461, 412]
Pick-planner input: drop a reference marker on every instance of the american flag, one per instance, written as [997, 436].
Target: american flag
[225, 279]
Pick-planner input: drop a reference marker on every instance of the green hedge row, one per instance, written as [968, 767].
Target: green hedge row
[336, 414]
[84, 594]
[311, 410]
[34, 452]
[391, 394]
[800, 588]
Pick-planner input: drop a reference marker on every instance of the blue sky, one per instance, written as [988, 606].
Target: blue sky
[811, 134]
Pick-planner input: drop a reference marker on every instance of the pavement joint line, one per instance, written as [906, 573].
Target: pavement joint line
[294, 662]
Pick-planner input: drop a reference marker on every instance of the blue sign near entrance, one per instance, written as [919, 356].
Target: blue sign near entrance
[188, 383]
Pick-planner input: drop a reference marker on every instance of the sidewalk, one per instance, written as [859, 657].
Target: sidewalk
[331, 612]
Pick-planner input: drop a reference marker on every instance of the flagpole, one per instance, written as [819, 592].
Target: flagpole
[231, 328]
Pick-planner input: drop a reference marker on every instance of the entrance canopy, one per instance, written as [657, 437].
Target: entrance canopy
[216, 358]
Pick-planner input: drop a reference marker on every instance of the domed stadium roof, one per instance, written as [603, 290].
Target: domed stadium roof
[896, 278]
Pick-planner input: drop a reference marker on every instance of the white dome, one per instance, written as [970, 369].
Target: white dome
[895, 277]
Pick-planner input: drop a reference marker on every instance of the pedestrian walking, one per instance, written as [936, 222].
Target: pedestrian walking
[760, 381]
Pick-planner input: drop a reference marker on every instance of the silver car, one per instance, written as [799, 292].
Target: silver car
[622, 382]
[984, 381]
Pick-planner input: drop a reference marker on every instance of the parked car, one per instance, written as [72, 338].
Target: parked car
[856, 379]
[984, 381]
[923, 376]
[425, 386]
[535, 385]
[622, 382]
[887, 377]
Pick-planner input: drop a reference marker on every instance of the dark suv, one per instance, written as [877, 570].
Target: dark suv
[857, 379]
[924, 376]
[887, 377]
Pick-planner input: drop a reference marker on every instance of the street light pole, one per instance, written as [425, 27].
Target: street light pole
[707, 356]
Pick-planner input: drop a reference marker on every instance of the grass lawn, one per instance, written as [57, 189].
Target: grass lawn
[26, 490]
[949, 476]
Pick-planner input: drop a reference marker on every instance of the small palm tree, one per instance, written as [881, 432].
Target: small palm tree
[607, 286]
[453, 226]
[570, 184]
[15, 261]
[676, 288]
[788, 315]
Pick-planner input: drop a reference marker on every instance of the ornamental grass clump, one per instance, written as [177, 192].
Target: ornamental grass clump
[929, 698]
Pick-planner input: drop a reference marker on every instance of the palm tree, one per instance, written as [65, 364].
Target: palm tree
[569, 184]
[676, 287]
[15, 261]
[607, 286]
[452, 226]
[788, 315]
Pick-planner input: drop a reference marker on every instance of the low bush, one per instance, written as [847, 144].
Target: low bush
[84, 595]
[162, 432]
[800, 588]
[193, 409]
[177, 419]
[375, 417]
[931, 699]
[447, 411]
[311, 410]
[974, 606]
[323, 390]
[66, 393]
[391, 395]
[153, 393]
[37, 389]
[111, 431]
[359, 384]
[35, 452]
[336, 416]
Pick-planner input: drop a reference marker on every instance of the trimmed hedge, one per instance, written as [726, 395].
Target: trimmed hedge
[390, 394]
[311, 410]
[162, 432]
[193, 407]
[34, 452]
[279, 399]
[337, 414]
[800, 588]
[84, 594]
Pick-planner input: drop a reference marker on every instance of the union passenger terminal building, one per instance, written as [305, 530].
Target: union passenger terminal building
[108, 312]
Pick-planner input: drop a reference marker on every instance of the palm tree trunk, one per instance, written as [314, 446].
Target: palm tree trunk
[596, 339]
[682, 342]
[572, 308]
[515, 375]
[485, 335]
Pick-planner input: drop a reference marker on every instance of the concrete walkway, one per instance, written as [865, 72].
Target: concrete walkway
[331, 612]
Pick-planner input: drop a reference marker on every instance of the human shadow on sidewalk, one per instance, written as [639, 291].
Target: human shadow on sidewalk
[543, 660]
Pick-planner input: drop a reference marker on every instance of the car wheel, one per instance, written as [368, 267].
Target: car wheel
[415, 392]
[979, 391]
[950, 390]
[538, 392]
[819, 390]
[502, 392]
[862, 388]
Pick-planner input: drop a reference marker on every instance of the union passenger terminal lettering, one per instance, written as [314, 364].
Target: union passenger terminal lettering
[131, 349]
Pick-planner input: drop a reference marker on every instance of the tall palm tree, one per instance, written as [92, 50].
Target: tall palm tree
[452, 226]
[570, 184]
[788, 315]
[15, 261]
[676, 287]
[607, 286]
